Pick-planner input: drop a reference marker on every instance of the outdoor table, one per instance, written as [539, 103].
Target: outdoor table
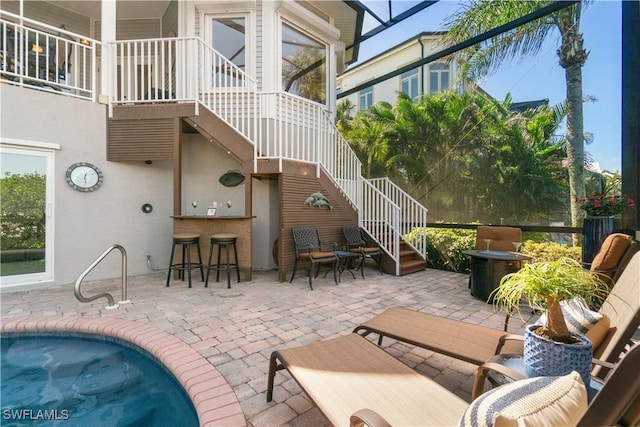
[489, 267]
[344, 261]
[515, 362]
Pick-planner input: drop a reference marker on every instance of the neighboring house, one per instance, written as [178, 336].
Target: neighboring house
[165, 97]
[433, 77]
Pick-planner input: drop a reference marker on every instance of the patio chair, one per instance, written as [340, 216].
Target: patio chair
[501, 237]
[350, 380]
[356, 243]
[309, 248]
[612, 256]
[476, 344]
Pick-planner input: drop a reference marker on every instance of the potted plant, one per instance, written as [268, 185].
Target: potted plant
[600, 209]
[551, 349]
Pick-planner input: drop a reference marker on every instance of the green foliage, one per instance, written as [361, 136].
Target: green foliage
[465, 156]
[445, 246]
[549, 251]
[546, 284]
[22, 211]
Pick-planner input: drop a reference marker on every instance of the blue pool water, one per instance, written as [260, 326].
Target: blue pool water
[75, 380]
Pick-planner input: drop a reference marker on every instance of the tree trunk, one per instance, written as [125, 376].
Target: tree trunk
[572, 57]
[556, 326]
[575, 142]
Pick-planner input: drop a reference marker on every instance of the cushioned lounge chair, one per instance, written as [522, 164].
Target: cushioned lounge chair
[612, 256]
[354, 382]
[476, 344]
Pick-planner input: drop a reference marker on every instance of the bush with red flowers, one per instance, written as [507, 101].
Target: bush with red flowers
[599, 204]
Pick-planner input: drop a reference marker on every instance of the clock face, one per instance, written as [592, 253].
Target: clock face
[84, 177]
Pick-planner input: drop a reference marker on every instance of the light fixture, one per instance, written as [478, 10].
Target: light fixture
[84, 42]
[35, 48]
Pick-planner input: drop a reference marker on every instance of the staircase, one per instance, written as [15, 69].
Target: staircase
[272, 127]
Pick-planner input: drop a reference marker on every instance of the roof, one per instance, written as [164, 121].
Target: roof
[521, 107]
[408, 41]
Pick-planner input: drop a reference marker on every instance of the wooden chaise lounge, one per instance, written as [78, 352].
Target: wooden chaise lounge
[352, 381]
[476, 344]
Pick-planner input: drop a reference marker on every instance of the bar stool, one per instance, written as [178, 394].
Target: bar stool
[185, 240]
[223, 240]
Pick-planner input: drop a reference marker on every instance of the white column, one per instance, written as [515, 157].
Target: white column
[108, 35]
[332, 72]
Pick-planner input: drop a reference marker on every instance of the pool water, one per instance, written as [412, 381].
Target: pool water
[53, 380]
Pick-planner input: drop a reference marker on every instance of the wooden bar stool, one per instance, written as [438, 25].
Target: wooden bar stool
[223, 240]
[185, 241]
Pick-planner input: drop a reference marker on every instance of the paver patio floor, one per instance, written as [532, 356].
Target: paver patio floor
[237, 329]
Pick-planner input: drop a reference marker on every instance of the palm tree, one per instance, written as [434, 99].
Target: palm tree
[479, 16]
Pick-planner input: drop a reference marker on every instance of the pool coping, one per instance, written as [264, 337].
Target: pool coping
[215, 401]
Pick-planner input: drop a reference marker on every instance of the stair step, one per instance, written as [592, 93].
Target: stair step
[412, 266]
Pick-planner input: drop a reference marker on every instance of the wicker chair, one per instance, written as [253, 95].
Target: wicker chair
[309, 248]
[356, 243]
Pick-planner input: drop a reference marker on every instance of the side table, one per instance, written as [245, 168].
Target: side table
[344, 260]
[505, 368]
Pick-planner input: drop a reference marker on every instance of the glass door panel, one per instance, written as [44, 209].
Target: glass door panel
[228, 37]
[23, 216]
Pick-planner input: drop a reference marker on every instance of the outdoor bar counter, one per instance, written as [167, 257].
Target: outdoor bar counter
[205, 226]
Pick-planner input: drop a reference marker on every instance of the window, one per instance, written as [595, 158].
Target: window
[409, 84]
[228, 36]
[365, 98]
[438, 77]
[303, 65]
[26, 189]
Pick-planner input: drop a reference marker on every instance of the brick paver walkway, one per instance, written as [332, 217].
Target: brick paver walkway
[237, 329]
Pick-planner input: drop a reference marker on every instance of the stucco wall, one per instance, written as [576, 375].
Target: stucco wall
[87, 223]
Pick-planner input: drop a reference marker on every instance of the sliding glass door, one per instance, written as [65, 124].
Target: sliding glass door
[26, 188]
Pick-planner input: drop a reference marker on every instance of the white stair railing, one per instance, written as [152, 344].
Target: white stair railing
[413, 214]
[278, 124]
[379, 216]
[298, 129]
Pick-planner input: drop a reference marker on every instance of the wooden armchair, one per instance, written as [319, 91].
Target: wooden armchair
[309, 248]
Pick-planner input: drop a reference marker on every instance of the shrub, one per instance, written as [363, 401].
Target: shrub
[550, 251]
[445, 246]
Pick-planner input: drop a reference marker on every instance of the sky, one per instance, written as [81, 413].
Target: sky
[542, 77]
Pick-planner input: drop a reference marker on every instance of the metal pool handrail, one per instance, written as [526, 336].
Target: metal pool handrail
[106, 295]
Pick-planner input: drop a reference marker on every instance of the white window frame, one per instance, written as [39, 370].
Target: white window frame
[303, 20]
[327, 78]
[439, 73]
[249, 35]
[365, 93]
[46, 150]
[406, 77]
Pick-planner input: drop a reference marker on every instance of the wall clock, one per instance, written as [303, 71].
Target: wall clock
[84, 177]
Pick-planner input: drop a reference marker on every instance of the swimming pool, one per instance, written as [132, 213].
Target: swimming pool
[71, 379]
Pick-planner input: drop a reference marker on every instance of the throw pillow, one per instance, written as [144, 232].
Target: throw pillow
[540, 401]
[581, 320]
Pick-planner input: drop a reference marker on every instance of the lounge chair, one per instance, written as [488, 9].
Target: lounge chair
[612, 257]
[354, 382]
[476, 344]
